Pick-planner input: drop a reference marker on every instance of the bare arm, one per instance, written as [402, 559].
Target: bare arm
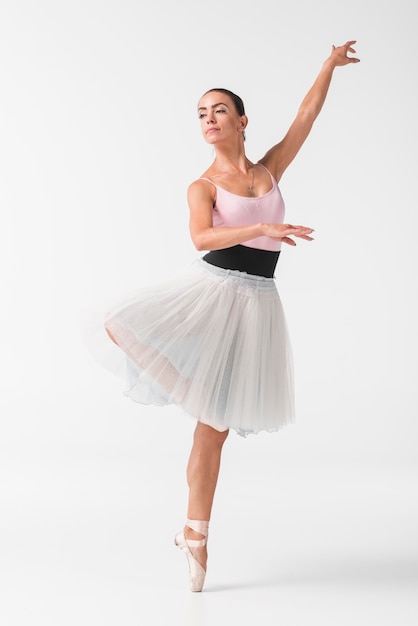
[205, 236]
[279, 157]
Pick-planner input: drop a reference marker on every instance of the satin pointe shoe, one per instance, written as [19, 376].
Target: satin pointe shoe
[196, 572]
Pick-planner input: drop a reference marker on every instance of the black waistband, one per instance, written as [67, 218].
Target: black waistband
[244, 259]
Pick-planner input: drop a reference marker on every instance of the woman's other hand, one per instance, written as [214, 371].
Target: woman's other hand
[282, 232]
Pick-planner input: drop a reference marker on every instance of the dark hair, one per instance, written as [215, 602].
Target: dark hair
[238, 103]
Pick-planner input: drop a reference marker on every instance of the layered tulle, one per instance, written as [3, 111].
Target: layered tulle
[213, 342]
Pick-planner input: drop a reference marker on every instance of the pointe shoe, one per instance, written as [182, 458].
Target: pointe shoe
[196, 572]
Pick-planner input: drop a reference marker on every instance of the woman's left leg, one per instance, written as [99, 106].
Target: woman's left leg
[202, 477]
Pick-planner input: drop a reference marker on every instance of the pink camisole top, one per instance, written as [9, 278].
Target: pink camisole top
[234, 210]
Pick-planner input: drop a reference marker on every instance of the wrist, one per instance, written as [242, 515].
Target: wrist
[261, 229]
[329, 64]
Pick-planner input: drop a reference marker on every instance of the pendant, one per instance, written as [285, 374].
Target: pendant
[250, 187]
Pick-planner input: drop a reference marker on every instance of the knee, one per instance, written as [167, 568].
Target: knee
[110, 335]
[208, 436]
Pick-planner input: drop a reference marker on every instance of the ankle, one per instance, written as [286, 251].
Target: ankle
[196, 531]
[189, 533]
[198, 526]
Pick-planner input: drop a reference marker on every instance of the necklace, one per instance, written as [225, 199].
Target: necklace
[250, 186]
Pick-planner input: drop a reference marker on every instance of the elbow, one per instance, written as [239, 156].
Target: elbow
[309, 112]
[199, 247]
[200, 240]
[199, 243]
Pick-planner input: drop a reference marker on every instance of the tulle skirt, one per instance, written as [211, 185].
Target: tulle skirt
[212, 341]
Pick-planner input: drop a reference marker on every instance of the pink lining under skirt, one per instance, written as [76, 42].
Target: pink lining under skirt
[213, 342]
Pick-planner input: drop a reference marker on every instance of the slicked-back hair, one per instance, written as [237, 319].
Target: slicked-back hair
[238, 103]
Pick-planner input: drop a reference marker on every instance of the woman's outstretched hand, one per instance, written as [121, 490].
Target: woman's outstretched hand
[281, 232]
[339, 54]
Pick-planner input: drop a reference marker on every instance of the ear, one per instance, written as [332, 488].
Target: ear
[243, 121]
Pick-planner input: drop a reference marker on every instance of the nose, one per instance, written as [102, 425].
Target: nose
[210, 118]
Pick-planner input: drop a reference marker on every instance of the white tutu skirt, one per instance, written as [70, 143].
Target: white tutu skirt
[213, 342]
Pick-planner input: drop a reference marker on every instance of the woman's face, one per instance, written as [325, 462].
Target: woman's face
[219, 120]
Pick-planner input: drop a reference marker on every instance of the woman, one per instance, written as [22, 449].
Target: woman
[214, 342]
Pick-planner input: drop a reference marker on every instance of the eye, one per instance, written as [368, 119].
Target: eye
[220, 111]
[201, 115]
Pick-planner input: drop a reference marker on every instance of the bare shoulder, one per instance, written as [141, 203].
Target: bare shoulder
[201, 190]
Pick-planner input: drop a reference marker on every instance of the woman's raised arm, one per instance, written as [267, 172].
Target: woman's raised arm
[282, 154]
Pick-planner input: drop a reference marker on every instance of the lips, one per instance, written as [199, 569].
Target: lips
[211, 130]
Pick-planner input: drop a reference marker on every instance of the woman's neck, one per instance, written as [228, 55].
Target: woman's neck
[231, 161]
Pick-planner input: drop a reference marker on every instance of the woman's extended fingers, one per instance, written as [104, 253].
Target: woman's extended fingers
[281, 232]
[293, 243]
[288, 240]
[302, 232]
[339, 53]
[298, 231]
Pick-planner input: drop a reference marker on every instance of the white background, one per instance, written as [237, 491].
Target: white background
[99, 140]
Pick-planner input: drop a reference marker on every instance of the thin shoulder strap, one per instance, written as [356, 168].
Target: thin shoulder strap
[208, 180]
[267, 170]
